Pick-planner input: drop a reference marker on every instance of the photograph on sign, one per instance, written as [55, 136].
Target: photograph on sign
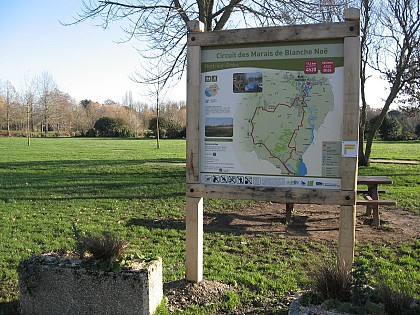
[272, 114]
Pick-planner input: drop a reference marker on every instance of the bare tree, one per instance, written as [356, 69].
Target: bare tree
[86, 114]
[10, 97]
[161, 25]
[27, 96]
[393, 52]
[46, 88]
[61, 112]
[367, 24]
[410, 98]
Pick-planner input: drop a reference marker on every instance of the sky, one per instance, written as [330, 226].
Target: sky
[86, 61]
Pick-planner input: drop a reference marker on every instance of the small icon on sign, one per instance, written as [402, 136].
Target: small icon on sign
[349, 149]
[232, 179]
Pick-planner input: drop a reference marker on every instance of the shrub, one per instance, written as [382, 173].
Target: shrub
[395, 303]
[112, 127]
[91, 133]
[391, 128]
[331, 281]
[417, 131]
[105, 248]
[168, 128]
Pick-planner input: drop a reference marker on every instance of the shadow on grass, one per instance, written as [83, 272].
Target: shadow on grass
[90, 179]
[157, 196]
[238, 224]
[157, 224]
[9, 308]
[89, 163]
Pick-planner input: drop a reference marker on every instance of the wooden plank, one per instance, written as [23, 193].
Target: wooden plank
[365, 191]
[347, 236]
[352, 14]
[351, 109]
[372, 202]
[350, 132]
[194, 206]
[370, 180]
[195, 26]
[194, 239]
[275, 34]
[193, 113]
[281, 195]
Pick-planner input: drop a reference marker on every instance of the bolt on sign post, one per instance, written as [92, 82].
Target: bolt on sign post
[272, 114]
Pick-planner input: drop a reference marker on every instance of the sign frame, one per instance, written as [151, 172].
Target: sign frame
[348, 31]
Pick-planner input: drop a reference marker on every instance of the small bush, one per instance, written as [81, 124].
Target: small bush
[112, 127]
[103, 246]
[331, 281]
[92, 133]
[395, 303]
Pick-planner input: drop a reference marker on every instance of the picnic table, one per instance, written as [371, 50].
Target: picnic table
[371, 197]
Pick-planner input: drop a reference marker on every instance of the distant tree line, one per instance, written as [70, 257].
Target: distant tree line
[397, 125]
[40, 108]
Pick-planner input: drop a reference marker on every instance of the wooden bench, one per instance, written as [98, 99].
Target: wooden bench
[371, 197]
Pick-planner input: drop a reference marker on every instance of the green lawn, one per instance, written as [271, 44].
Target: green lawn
[406, 178]
[396, 150]
[107, 184]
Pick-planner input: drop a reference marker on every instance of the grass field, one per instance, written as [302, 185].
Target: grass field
[108, 184]
[396, 150]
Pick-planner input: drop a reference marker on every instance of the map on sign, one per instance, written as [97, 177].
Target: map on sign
[272, 115]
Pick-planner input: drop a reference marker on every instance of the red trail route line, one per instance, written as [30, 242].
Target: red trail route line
[293, 148]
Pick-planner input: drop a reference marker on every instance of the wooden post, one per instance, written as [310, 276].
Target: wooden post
[346, 239]
[194, 242]
[194, 210]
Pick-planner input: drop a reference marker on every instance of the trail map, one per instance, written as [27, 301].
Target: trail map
[272, 115]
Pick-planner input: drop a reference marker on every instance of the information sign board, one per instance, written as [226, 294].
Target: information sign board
[271, 114]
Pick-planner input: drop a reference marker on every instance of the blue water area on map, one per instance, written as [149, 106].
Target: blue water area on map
[302, 170]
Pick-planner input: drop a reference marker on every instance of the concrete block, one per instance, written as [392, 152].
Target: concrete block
[51, 285]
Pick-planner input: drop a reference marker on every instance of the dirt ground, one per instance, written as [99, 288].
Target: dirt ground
[317, 222]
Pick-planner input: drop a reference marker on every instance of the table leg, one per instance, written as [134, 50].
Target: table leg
[375, 196]
[369, 208]
[289, 209]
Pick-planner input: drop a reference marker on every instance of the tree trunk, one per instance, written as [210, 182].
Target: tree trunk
[363, 161]
[378, 122]
[8, 121]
